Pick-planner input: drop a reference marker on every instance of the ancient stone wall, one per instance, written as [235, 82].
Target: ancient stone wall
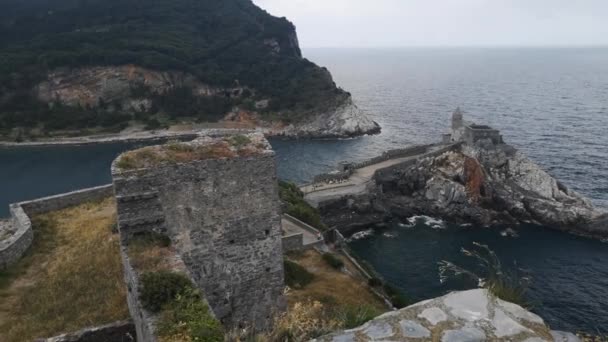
[338, 176]
[294, 242]
[62, 201]
[13, 248]
[223, 216]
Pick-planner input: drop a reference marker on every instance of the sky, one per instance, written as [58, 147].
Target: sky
[399, 23]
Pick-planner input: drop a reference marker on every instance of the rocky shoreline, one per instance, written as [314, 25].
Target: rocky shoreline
[482, 182]
[347, 121]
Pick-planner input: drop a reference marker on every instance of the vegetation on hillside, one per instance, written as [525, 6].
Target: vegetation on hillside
[223, 43]
[70, 278]
[330, 301]
[295, 205]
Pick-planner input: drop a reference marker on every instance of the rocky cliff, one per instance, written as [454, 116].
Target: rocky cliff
[484, 184]
[80, 65]
[135, 89]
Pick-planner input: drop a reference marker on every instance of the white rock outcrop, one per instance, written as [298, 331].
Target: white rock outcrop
[347, 120]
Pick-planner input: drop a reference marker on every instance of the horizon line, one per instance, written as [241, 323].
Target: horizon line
[556, 46]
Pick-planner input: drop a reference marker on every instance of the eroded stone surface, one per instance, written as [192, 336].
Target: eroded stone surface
[413, 329]
[519, 312]
[433, 315]
[379, 330]
[466, 334]
[561, 336]
[466, 316]
[468, 305]
[505, 325]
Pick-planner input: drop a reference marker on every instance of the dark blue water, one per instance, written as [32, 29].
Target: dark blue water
[550, 103]
[569, 276]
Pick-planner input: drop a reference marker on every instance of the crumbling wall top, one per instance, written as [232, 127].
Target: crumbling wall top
[203, 148]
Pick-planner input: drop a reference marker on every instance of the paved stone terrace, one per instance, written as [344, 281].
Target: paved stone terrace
[290, 228]
[357, 183]
[467, 316]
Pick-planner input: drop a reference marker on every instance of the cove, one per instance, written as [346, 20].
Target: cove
[569, 285]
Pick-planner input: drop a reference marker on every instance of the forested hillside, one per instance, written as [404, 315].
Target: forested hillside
[223, 43]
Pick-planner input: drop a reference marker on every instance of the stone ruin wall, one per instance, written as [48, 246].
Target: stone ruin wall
[13, 248]
[387, 155]
[223, 217]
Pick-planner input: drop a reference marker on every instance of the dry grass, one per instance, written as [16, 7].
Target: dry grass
[331, 285]
[150, 255]
[71, 278]
[177, 152]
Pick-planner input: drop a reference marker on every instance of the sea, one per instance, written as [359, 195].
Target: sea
[550, 103]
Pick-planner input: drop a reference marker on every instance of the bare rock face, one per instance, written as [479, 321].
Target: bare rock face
[488, 185]
[90, 86]
[347, 120]
[132, 89]
[467, 316]
[483, 184]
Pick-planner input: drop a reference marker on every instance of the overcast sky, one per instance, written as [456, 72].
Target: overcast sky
[392, 23]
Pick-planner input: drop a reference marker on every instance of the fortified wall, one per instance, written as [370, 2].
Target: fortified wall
[217, 199]
[19, 232]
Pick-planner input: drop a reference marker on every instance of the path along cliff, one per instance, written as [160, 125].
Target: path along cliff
[483, 183]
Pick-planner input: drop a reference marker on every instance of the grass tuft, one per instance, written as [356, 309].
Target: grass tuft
[333, 261]
[509, 285]
[296, 276]
[188, 318]
[159, 288]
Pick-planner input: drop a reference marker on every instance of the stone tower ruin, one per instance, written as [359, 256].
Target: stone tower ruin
[217, 200]
[457, 119]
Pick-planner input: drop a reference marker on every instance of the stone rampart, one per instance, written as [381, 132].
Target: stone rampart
[13, 248]
[389, 171]
[348, 168]
[223, 217]
[294, 242]
[70, 199]
[392, 154]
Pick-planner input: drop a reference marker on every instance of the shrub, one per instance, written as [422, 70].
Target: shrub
[189, 316]
[333, 260]
[304, 321]
[374, 282]
[510, 285]
[352, 316]
[239, 140]
[159, 288]
[296, 276]
[296, 206]
[396, 297]
[150, 239]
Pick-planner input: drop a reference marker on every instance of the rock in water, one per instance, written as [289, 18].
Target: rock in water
[483, 183]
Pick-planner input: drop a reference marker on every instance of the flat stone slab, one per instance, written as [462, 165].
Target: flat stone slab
[469, 305]
[464, 335]
[378, 330]
[433, 315]
[413, 329]
[467, 316]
